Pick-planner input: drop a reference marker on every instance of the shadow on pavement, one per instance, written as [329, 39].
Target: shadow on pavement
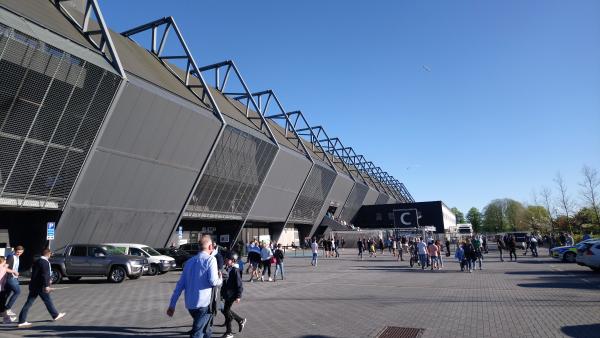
[561, 282]
[581, 331]
[102, 331]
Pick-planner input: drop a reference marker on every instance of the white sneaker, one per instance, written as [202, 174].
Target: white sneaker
[10, 313]
[270, 279]
[60, 315]
[262, 279]
[24, 325]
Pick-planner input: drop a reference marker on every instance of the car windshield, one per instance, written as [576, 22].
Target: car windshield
[111, 250]
[151, 251]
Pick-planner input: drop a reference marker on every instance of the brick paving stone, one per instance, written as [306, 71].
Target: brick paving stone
[346, 297]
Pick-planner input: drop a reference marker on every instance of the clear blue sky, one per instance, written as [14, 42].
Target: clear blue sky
[464, 101]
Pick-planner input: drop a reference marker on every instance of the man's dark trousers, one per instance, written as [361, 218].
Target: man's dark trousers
[33, 294]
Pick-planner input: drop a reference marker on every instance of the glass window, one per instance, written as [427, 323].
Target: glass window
[151, 251]
[94, 251]
[79, 251]
[136, 252]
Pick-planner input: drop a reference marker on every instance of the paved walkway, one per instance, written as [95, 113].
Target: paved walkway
[349, 298]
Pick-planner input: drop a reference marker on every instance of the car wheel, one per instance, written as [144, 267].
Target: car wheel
[135, 276]
[117, 274]
[56, 276]
[569, 257]
[74, 279]
[153, 270]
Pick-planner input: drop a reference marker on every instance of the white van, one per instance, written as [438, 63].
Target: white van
[158, 263]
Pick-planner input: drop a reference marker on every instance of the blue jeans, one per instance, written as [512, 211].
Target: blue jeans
[314, 259]
[423, 260]
[201, 327]
[279, 267]
[33, 294]
[12, 285]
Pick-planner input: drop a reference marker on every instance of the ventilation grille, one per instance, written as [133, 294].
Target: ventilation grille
[233, 176]
[51, 107]
[313, 195]
[354, 202]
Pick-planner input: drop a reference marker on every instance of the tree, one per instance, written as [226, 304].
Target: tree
[546, 195]
[493, 216]
[460, 217]
[516, 215]
[591, 190]
[564, 200]
[475, 218]
[505, 215]
[538, 218]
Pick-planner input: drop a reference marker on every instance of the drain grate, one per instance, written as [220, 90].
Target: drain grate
[400, 332]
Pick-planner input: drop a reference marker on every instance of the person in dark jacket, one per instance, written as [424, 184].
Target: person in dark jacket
[231, 291]
[40, 286]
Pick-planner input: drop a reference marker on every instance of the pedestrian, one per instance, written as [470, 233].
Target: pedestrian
[484, 243]
[315, 252]
[39, 285]
[460, 257]
[5, 271]
[512, 247]
[432, 250]
[422, 252]
[343, 243]
[11, 290]
[360, 246]
[533, 245]
[447, 247]
[470, 256]
[253, 260]
[439, 252]
[279, 256]
[336, 245]
[501, 246]
[199, 277]
[231, 291]
[394, 246]
[381, 245]
[266, 255]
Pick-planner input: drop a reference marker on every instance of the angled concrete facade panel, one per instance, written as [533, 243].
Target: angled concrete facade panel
[371, 197]
[280, 188]
[337, 197]
[142, 170]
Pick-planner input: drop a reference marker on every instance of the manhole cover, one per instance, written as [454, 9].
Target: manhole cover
[400, 332]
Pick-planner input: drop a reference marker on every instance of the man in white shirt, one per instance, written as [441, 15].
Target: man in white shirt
[199, 276]
[314, 246]
[422, 251]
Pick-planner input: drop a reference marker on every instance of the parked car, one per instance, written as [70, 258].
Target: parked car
[180, 256]
[88, 260]
[191, 248]
[158, 263]
[520, 239]
[588, 254]
[567, 253]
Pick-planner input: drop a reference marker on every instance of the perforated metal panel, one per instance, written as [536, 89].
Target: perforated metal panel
[313, 195]
[354, 202]
[233, 176]
[51, 107]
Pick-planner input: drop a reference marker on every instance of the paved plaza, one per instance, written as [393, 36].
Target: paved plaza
[349, 298]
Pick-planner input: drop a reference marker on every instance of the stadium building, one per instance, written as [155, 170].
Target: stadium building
[125, 137]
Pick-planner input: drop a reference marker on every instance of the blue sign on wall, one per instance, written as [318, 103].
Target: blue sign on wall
[50, 229]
